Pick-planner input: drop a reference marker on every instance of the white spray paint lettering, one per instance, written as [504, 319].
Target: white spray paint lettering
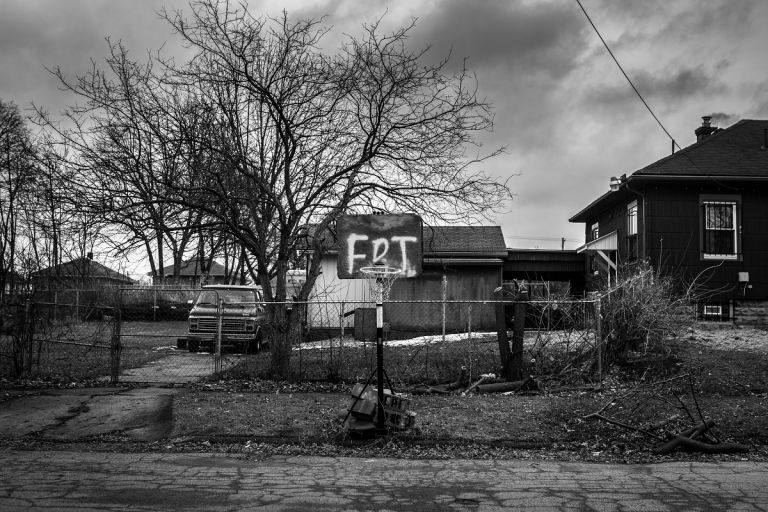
[378, 254]
[379, 249]
[404, 240]
[351, 240]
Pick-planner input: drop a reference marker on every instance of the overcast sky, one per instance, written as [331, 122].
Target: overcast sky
[565, 113]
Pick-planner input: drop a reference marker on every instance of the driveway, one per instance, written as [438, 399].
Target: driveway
[75, 414]
[178, 368]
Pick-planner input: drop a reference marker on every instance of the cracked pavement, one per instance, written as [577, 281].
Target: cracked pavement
[61, 480]
[72, 414]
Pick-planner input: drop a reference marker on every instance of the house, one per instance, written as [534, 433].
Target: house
[460, 263]
[193, 275]
[700, 213]
[81, 273]
[13, 283]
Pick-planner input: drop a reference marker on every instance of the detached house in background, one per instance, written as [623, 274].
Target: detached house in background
[192, 274]
[81, 273]
[702, 211]
[459, 263]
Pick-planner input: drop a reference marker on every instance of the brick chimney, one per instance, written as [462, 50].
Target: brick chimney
[705, 130]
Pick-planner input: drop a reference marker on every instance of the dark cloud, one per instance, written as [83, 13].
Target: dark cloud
[703, 19]
[39, 34]
[664, 88]
[533, 38]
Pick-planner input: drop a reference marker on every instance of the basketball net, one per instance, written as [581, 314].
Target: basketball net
[380, 280]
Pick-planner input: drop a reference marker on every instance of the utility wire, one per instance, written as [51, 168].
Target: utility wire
[674, 143]
[541, 239]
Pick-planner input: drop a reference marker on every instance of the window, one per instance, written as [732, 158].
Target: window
[714, 312]
[720, 229]
[594, 232]
[632, 231]
[632, 218]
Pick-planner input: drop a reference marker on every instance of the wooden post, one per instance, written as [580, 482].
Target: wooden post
[599, 339]
[501, 335]
[445, 297]
[518, 334]
[469, 337]
[341, 337]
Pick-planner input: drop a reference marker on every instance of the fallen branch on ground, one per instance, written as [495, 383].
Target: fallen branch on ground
[500, 387]
[482, 379]
[687, 440]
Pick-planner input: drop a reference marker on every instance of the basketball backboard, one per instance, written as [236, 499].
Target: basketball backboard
[369, 240]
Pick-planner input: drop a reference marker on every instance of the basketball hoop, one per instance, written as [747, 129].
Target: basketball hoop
[380, 280]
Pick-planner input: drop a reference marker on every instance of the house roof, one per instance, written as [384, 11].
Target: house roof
[193, 268]
[81, 268]
[734, 153]
[444, 241]
[478, 241]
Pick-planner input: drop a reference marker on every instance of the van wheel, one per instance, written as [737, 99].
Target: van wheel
[193, 345]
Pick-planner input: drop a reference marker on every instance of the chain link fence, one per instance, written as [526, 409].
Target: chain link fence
[59, 337]
[145, 335]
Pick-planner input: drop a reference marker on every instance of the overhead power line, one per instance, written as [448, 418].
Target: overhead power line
[538, 239]
[674, 143]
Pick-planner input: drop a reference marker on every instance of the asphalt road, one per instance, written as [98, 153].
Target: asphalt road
[61, 480]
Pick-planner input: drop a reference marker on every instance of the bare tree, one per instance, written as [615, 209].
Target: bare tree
[270, 135]
[16, 176]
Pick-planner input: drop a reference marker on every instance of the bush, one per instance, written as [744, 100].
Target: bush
[641, 310]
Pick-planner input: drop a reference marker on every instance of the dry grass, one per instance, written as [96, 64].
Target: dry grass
[722, 357]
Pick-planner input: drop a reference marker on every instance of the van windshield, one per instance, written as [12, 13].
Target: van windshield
[211, 297]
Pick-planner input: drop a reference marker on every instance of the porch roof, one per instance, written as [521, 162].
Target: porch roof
[607, 242]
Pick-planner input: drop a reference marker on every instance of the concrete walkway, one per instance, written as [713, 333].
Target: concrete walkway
[178, 368]
[57, 480]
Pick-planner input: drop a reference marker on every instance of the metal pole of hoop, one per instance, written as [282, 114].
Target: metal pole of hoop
[380, 423]
[380, 279]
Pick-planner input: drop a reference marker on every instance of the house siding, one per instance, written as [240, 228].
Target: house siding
[464, 283]
[674, 239]
[615, 219]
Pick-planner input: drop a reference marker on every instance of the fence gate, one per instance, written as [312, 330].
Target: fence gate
[153, 348]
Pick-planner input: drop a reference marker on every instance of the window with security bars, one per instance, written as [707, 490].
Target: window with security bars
[720, 229]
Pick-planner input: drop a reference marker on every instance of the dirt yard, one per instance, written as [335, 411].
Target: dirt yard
[718, 374]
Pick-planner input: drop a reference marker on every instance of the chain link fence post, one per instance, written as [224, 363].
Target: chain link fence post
[217, 356]
[116, 347]
[26, 338]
